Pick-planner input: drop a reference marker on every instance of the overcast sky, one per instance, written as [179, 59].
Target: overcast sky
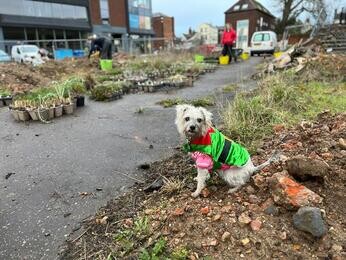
[194, 12]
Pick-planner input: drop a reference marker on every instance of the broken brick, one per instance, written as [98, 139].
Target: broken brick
[287, 192]
[178, 212]
[205, 210]
[255, 225]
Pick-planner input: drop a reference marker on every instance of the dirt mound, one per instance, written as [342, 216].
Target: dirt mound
[249, 224]
[22, 77]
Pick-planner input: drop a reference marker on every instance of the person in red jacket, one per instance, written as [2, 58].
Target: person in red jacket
[228, 39]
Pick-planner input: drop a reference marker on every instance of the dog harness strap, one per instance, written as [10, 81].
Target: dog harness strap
[225, 151]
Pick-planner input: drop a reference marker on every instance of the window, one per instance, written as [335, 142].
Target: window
[140, 14]
[13, 33]
[104, 8]
[236, 8]
[258, 37]
[31, 34]
[43, 9]
[261, 37]
[266, 37]
[244, 6]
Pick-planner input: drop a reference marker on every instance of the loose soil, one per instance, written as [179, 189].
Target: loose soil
[23, 77]
[199, 225]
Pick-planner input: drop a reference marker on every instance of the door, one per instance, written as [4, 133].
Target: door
[242, 34]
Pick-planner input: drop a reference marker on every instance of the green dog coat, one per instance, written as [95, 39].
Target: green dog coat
[221, 149]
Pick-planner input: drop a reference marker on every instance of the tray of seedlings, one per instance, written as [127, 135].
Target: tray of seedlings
[108, 91]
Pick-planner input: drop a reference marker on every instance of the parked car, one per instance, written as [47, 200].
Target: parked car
[263, 42]
[26, 54]
[4, 57]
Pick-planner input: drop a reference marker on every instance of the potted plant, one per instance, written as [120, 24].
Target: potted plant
[58, 108]
[68, 105]
[77, 90]
[32, 109]
[49, 103]
[42, 110]
[60, 90]
[23, 114]
[14, 110]
[5, 97]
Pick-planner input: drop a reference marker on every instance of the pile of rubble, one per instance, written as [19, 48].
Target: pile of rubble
[308, 60]
[293, 210]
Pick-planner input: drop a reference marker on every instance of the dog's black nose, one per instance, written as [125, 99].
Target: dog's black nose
[192, 128]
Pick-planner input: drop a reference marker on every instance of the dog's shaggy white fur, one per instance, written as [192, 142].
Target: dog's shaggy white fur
[193, 122]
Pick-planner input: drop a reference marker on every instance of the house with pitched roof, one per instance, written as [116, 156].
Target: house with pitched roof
[247, 17]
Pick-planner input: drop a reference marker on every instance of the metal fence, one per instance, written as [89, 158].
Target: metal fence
[129, 45]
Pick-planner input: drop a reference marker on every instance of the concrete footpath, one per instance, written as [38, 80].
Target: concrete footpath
[45, 169]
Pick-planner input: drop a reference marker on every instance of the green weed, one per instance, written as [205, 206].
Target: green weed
[281, 99]
[230, 88]
[199, 102]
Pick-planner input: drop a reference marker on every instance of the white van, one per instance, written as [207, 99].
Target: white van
[25, 53]
[263, 42]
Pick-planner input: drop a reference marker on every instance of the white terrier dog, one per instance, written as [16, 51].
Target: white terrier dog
[211, 150]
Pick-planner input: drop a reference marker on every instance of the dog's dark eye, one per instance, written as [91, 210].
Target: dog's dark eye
[199, 120]
[187, 119]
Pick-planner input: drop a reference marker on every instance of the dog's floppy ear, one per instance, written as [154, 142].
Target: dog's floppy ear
[181, 109]
[180, 112]
[208, 116]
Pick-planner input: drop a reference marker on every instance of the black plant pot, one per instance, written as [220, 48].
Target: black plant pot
[80, 101]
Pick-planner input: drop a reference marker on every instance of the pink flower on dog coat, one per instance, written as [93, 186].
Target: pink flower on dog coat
[204, 161]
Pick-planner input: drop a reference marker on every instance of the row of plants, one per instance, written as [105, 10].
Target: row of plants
[143, 75]
[44, 104]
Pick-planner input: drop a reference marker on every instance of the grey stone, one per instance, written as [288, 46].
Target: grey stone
[304, 169]
[272, 210]
[309, 219]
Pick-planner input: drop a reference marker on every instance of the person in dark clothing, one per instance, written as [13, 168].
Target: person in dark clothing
[103, 45]
[228, 39]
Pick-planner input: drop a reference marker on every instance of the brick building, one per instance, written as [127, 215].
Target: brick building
[247, 17]
[163, 27]
[122, 18]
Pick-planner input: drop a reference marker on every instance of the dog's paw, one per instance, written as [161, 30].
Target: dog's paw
[233, 190]
[195, 194]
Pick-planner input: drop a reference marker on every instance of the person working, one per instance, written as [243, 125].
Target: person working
[102, 45]
[228, 39]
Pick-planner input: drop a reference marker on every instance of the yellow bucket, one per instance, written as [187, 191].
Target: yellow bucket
[244, 56]
[277, 54]
[224, 60]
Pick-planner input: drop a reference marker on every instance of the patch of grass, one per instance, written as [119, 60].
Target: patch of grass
[172, 185]
[139, 110]
[141, 226]
[230, 88]
[199, 102]
[281, 99]
[180, 254]
[4, 92]
[202, 102]
[170, 102]
[128, 238]
[156, 252]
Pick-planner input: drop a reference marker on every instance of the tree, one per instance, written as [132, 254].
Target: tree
[291, 9]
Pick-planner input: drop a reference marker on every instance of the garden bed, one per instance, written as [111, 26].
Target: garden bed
[22, 84]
